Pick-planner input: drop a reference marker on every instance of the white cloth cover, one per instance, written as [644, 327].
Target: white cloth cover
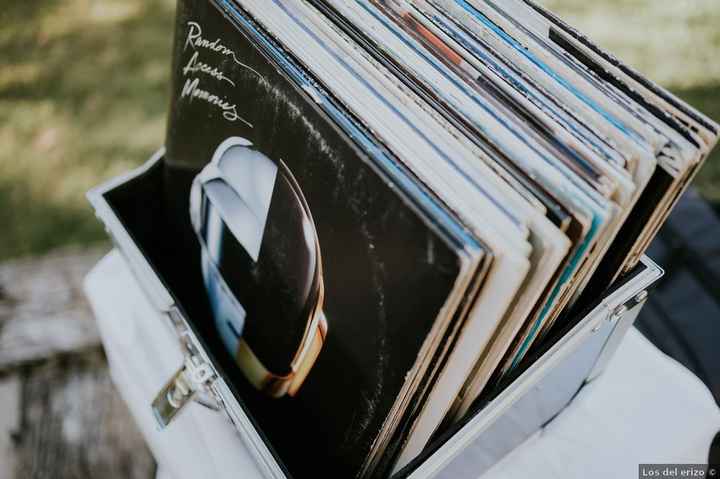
[645, 408]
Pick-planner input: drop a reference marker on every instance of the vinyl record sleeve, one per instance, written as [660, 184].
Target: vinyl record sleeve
[668, 109]
[510, 16]
[641, 173]
[382, 235]
[497, 298]
[536, 57]
[690, 134]
[539, 171]
[511, 79]
[626, 195]
[426, 34]
[378, 208]
[592, 111]
[699, 130]
[550, 247]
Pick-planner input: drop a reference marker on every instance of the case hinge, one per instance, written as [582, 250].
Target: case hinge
[192, 382]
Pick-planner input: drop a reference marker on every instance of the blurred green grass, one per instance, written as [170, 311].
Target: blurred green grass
[84, 84]
[83, 94]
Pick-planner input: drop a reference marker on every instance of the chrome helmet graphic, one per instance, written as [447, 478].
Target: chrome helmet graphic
[261, 265]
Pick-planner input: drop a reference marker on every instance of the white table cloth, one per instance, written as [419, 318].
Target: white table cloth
[645, 408]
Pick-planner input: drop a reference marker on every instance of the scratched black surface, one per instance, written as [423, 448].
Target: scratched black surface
[387, 274]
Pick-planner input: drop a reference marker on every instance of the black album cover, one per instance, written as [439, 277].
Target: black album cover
[322, 279]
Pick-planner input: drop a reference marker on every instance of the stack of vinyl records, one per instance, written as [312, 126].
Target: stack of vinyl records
[454, 180]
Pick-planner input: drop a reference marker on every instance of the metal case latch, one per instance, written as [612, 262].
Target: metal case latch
[191, 382]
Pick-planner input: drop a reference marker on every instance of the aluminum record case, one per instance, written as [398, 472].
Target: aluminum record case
[490, 432]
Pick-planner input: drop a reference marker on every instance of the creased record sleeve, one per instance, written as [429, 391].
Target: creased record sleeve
[396, 265]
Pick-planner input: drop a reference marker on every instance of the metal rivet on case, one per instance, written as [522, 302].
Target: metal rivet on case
[618, 313]
[641, 296]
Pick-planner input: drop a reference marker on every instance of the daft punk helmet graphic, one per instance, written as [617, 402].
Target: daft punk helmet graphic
[261, 265]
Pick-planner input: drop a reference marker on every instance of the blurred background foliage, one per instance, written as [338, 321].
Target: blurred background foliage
[83, 94]
[84, 86]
